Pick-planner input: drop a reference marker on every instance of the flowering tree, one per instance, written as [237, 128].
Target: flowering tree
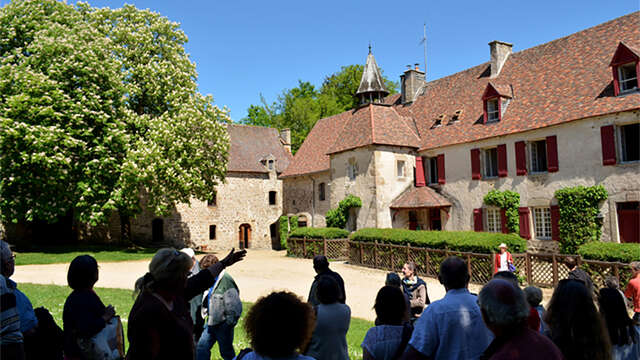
[99, 109]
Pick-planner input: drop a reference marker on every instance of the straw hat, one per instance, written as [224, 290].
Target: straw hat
[503, 245]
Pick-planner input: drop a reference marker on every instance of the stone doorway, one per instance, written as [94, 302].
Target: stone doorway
[244, 236]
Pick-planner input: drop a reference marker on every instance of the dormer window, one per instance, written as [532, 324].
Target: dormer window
[270, 164]
[495, 98]
[625, 67]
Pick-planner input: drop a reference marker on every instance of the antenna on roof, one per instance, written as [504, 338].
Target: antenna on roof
[423, 42]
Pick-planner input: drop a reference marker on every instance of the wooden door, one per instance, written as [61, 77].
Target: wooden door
[629, 221]
[244, 236]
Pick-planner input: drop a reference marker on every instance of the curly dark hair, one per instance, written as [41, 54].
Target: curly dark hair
[390, 306]
[279, 324]
[576, 326]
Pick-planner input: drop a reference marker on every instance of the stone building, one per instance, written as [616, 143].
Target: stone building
[245, 209]
[557, 115]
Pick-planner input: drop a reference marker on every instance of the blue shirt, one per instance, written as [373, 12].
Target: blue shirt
[28, 319]
[452, 328]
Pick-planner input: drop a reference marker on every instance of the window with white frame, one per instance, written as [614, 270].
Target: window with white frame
[492, 220]
[351, 171]
[542, 222]
[629, 142]
[400, 168]
[432, 167]
[538, 151]
[493, 110]
[628, 77]
[490, 163]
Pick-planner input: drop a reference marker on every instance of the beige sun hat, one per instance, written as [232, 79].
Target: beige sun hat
[503, 245]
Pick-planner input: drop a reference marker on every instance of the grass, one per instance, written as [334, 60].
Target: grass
[64, 254]
[53, 297]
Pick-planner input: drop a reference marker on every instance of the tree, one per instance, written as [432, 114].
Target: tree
[99, 109]
[301, 107]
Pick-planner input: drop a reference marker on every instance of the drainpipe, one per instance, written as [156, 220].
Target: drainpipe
[313, 200]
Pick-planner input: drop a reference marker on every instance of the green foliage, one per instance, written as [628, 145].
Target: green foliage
[64, 254]
[299, 108]
[283, 225]
[509, 201]
[469, 241]
[578, 210]
[607, 251]
[319, 233]
[293, 223]
[337, 218]
[99, 108]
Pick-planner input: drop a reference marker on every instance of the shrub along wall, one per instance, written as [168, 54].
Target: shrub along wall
[469, 241]
[319, 233]
[607, 251]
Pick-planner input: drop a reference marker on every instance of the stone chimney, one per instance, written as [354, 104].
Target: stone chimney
[411, 82]
[285, 136]
[500, 51]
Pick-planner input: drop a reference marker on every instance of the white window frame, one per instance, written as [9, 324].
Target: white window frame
[622, 82]
[533, 151]
[492, 220]
[542, 223]
[493, 115]
[486, 162]
[400, 168]
[621, 145]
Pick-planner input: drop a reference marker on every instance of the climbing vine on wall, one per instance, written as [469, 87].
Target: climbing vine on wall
[509, 201]
[287, 225]
[338, 217]
[579, 207]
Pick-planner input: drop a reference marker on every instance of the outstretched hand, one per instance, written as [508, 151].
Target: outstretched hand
[233, 257]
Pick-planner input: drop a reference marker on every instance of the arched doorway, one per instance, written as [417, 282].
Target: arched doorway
[244, 235]
[157, 230]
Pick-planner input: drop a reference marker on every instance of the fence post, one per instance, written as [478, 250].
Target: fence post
[408, 250]
[491, 263]
[304, 248]
[375, 254]
[361, 255]
[616, 272]
[555, 270]
[391, 262]
[527, 261]
[469, 265]
[427, 261]
[324, 247]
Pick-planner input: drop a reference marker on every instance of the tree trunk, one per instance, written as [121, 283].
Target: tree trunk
[125, 229]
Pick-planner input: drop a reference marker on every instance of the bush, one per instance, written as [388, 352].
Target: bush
[607, 251]
[319, 233]
[509, 201]
[579, 207]
[338, 217]
[283, 224]
[469, 241]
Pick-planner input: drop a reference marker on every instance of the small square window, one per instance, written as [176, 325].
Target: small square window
[538, 156]
[400, 168]
[628, 77]
[492, 219]
[630, 142]
[542, 223]
[213, 201]
[272, 197]
[493, 111]
[212, 232]
[490, 160]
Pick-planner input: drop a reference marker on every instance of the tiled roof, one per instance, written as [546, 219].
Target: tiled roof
[419, 197]
[251, 144]
[376, 124]
[564, 80]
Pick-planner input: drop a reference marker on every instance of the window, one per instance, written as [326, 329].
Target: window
[213, 200]
[630, 142]
[542, 223]
[272, 197]
[212, 232]
[400, 168]
[270, 164]
[490, 160]
[493, 111]
[538, 156]
[628, 77]
[493, 223]
[321, 191]
[432, 165]
[351, 171]
[302, 221]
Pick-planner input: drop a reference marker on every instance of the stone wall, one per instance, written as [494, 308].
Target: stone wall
[388, 184]
[242, 199]
[302, 197]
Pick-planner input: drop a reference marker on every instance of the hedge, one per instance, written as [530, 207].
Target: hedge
[319, 233]
[608, 251]
[468, 241]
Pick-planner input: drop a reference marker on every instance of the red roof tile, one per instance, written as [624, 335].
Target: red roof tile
[419, 197]
[251, 144]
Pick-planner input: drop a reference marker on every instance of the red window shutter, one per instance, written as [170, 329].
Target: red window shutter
[475, 164]
[521, 158]
[607, 137]
[502, 160]
[441, 175]
[525, 232]
[419, 172]
[552, 153]
[616, 82]
[555, 217]
[503, 221]
[477, 220]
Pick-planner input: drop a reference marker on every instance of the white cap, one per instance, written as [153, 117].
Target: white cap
[503, 245]
[188, 251]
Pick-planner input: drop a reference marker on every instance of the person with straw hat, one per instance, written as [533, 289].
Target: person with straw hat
[502, 260]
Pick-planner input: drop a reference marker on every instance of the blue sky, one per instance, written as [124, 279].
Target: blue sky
[244, 48]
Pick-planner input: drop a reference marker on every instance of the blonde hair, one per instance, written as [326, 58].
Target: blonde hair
[168, 264]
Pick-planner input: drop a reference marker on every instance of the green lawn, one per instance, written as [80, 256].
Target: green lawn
[64, 254]
[53, 296]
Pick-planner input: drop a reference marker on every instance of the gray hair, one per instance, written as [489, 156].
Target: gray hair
[503, 304]
[534, 295]
[167, 264]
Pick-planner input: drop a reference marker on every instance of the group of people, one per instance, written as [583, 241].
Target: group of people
[183, 307]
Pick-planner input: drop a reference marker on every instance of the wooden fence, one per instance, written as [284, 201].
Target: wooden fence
[544, 270]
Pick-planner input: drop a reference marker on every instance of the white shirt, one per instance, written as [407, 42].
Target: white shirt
[504, 265]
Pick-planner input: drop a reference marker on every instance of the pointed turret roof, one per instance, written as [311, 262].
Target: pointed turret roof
[372, 81]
